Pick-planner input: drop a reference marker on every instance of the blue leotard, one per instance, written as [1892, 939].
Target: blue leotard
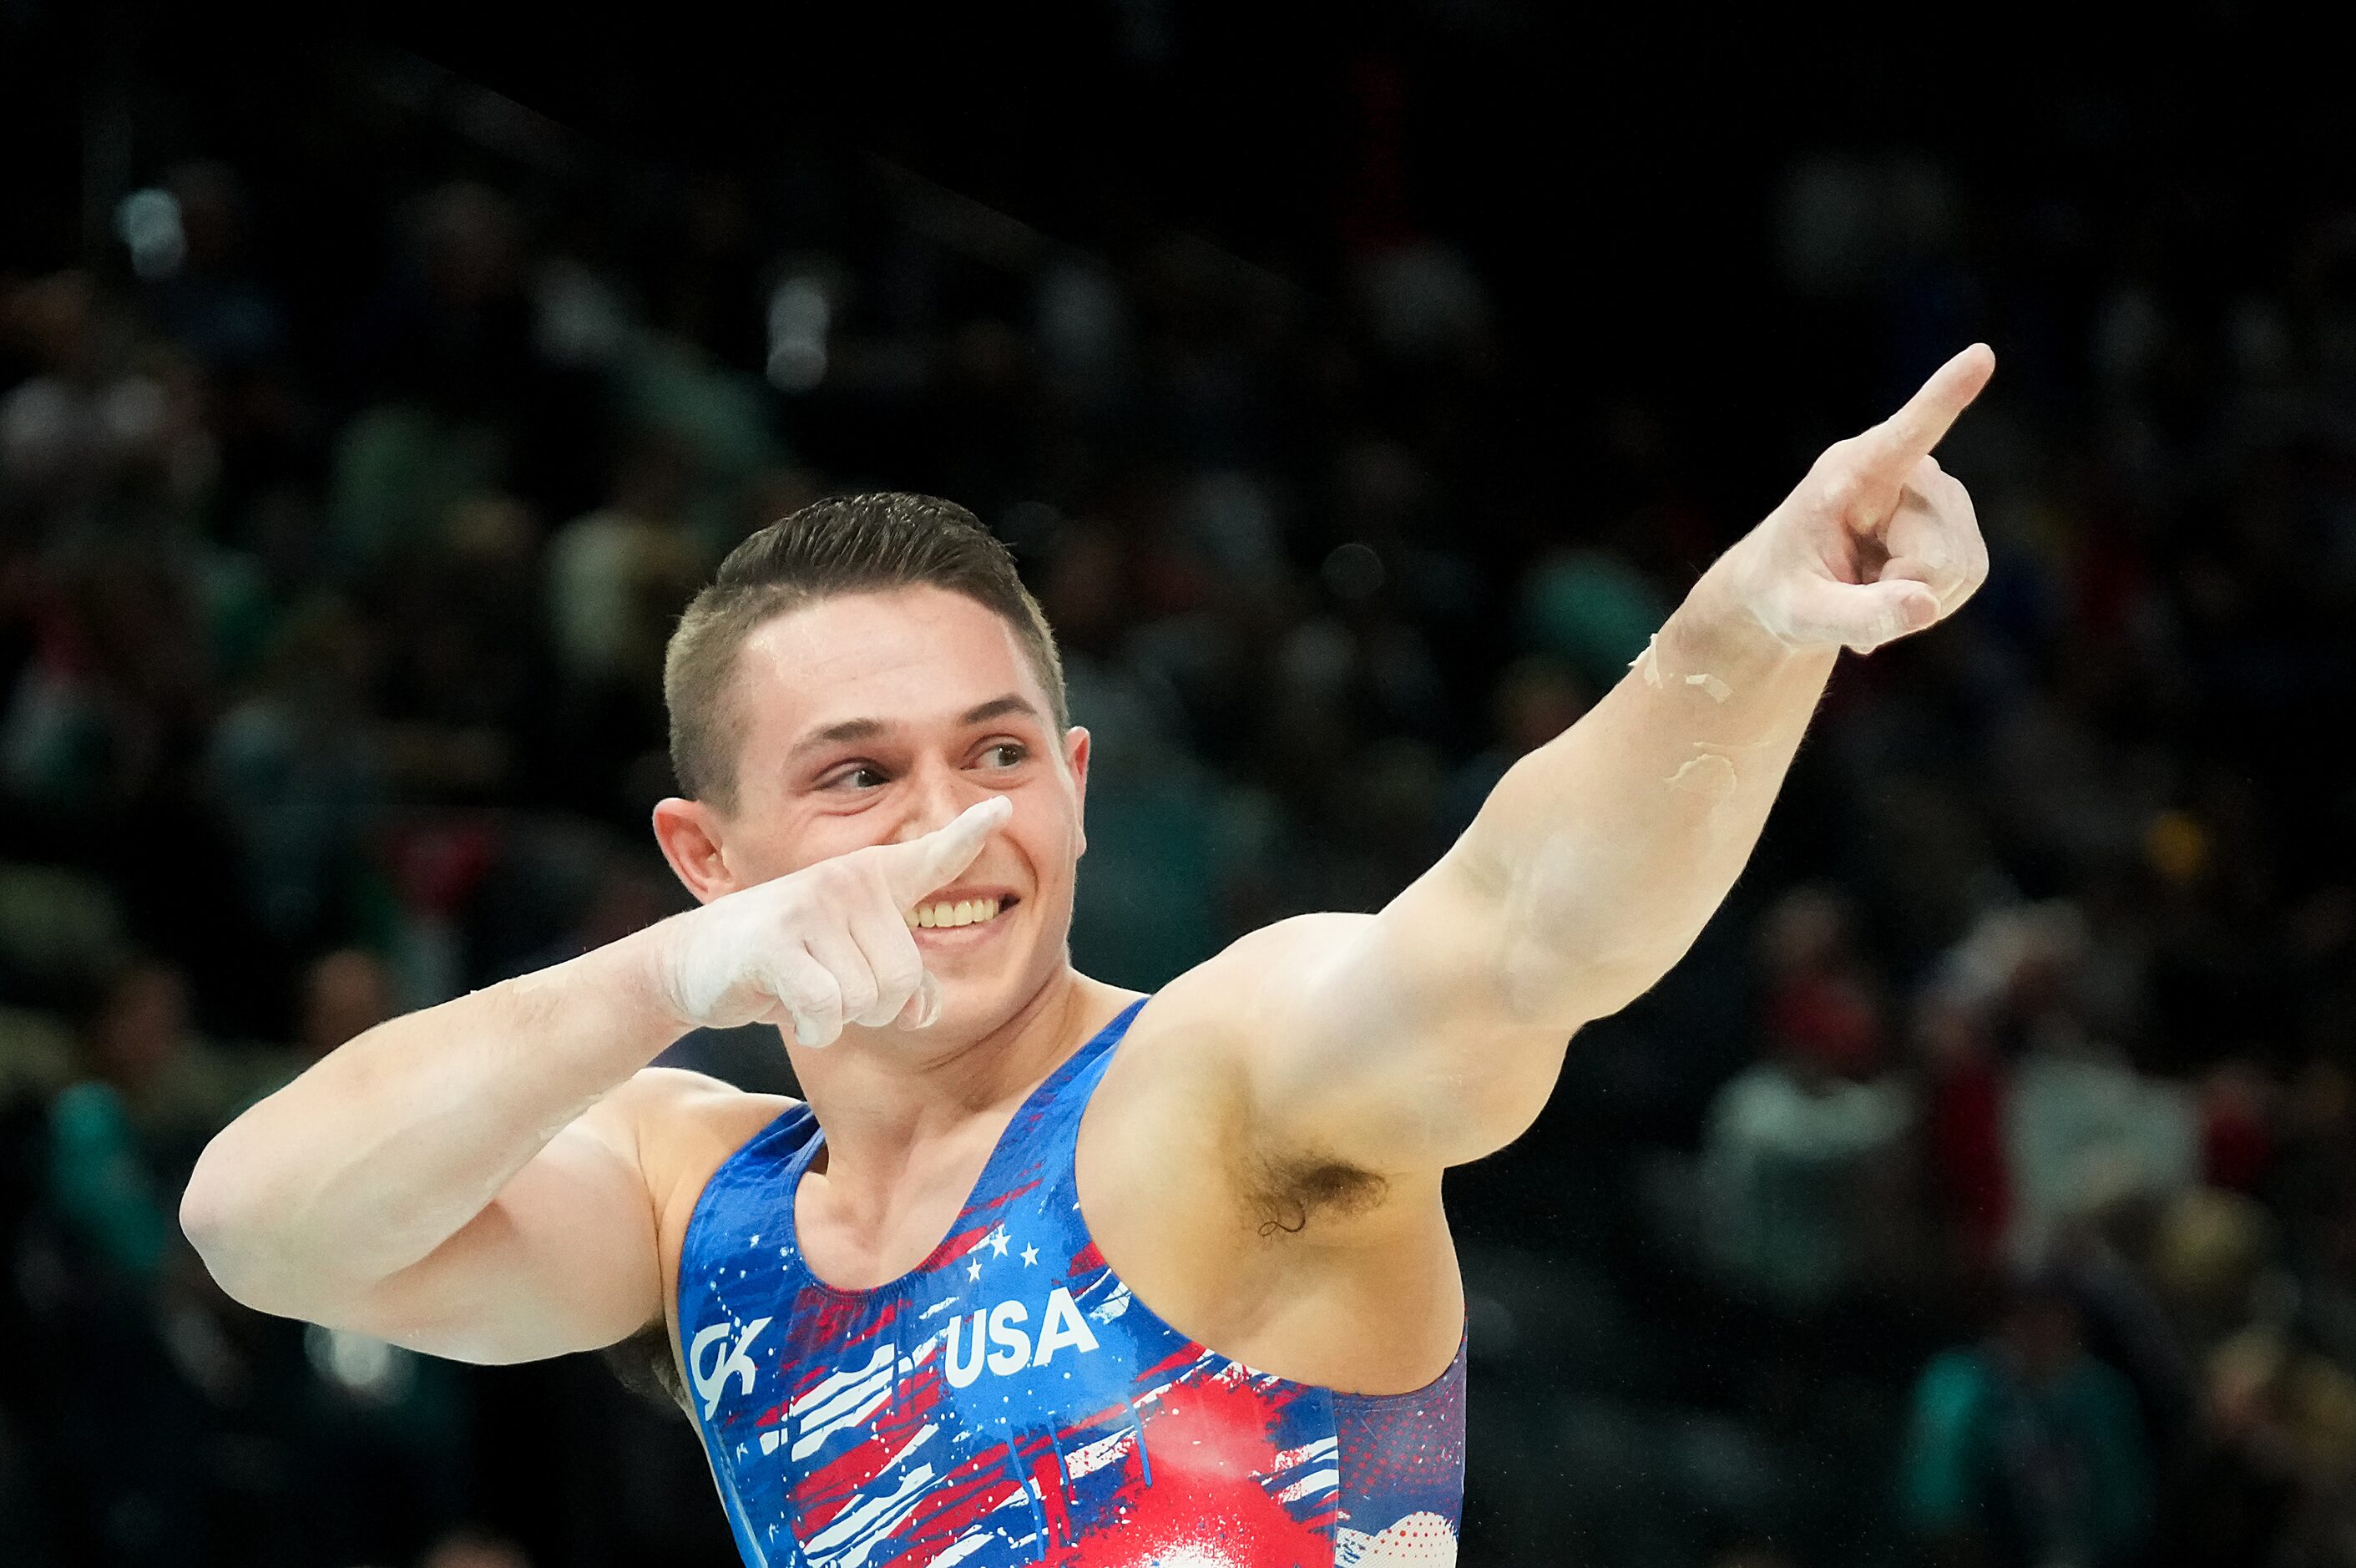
[1009, 1400]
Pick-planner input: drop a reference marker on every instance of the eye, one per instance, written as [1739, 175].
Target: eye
[1007, 754]
[860, 776]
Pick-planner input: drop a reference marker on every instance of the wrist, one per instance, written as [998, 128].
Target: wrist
[1719, 628]
[653, 967]
[630, 986]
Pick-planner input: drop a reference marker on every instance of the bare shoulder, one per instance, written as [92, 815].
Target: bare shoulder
[680, 1126]
[1233, 997]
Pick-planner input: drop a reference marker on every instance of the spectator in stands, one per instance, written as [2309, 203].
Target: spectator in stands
[1789, 1163]
[2024, 1451]
[298, 769]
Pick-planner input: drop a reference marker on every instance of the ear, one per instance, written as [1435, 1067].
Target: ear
[1075, 759]
[689, 831]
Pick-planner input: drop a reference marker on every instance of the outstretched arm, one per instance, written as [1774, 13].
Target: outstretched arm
[1431, 1033]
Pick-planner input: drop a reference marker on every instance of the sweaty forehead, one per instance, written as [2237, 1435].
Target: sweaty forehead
[913, 656]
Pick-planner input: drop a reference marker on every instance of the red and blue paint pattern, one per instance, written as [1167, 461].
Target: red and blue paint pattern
[1009, 1401]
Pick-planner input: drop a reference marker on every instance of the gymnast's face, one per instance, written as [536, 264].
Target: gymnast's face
[870, 718]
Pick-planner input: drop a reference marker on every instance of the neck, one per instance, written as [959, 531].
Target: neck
[888, 1100]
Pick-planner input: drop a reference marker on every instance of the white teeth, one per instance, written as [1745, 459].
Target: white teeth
[964, 912]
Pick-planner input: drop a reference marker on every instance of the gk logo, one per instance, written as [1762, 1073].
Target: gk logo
[732, 1359]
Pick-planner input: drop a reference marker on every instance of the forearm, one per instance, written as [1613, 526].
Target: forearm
[1606, 850]
[386, 1148]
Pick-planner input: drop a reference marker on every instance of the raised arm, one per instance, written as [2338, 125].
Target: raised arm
[468, 1179]
[1432, 1031]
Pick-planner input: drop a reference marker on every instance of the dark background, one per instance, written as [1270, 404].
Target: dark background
[1357, 391]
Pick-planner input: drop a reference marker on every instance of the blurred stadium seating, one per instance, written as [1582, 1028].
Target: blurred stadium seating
[1982, 1189]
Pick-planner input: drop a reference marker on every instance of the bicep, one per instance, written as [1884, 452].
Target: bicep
[1392, 1040]
[565, 1258]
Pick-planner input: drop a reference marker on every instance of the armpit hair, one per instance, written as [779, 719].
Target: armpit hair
[1287, 1192]
[643, 1364]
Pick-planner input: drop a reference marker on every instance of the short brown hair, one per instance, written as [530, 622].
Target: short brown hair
[845, 544]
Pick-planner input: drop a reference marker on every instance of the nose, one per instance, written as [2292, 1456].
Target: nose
[938, 794]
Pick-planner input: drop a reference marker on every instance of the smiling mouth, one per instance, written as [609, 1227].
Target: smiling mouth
[947, 914]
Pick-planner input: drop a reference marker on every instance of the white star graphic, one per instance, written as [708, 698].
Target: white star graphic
[973, 1270]
[998, 1240]
[1030, 1256]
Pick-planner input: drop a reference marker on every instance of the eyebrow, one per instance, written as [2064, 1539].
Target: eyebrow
[868, 729]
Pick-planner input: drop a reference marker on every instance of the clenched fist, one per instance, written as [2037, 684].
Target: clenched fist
[1877, 540]
[828, 945]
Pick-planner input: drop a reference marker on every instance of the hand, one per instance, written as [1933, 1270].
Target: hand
[1877, 540]
[825, 946]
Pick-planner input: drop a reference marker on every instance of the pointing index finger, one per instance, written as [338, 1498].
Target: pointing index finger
[1908, 435]
[916, 868]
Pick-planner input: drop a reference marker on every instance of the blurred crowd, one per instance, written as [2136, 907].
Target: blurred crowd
[1982, 1190]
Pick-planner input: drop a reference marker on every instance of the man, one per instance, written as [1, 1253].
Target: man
[1040, 1272]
